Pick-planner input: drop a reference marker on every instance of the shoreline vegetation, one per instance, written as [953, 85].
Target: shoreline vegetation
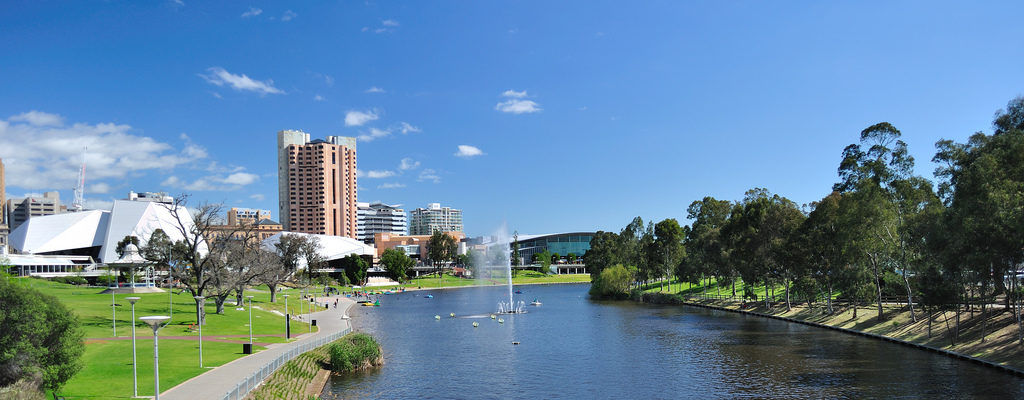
[305, 376]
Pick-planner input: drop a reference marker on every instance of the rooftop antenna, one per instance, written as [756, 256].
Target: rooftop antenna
[80, 189]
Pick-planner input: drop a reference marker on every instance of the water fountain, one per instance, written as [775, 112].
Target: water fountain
[501, 252]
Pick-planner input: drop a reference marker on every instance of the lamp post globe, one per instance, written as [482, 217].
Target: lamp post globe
[154, 322]
[135, 376]
[201, 305]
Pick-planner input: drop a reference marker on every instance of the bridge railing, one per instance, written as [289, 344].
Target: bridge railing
[253, 381]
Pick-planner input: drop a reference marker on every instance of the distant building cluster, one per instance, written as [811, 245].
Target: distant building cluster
[317, 195]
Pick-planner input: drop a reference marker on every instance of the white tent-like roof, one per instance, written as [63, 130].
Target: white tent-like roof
[140, 219]
[331, 247]
[77, 230]
[60, 232]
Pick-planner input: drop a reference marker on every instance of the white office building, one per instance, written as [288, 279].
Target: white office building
[378, 217]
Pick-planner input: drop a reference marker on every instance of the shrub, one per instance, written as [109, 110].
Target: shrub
[613, 282]
[40, 339]
[70, 280]
[353, 352]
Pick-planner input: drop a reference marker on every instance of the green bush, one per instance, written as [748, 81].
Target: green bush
[70, 280]
[353, 352]
[40, 339]
[612, 283]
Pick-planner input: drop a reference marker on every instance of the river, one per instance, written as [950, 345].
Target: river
[572, 347]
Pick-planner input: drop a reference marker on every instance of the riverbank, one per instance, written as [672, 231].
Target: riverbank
[995, 343]
[305, 376]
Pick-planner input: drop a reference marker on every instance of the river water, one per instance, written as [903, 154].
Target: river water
[572, 347]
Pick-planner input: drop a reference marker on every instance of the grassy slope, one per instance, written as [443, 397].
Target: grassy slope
[1000, 344]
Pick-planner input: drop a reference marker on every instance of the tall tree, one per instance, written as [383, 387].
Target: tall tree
[668, 243]
[396, 263]
[355, 268]
[515, 259]
[604, 252]
[441, 249]
[705, 246]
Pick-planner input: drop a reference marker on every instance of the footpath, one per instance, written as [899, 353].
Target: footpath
[217, 382]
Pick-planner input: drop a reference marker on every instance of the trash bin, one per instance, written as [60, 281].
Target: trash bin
[314, 322]
[246, 348]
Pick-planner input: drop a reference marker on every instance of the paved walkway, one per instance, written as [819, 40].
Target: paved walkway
[219, 381]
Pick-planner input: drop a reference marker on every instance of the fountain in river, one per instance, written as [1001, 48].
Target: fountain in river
[499, 257]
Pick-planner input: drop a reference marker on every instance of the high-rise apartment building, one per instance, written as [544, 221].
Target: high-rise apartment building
[378, 217]
[317, 184]
[425, 221]
[20, 210]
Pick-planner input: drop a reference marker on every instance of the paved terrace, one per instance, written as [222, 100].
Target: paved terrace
[217, 382]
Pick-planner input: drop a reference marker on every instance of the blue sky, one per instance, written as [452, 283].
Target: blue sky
[579, 114]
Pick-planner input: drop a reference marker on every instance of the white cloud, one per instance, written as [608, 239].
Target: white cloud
[408, 164]
[374, 134]
[319, 98]
[252, 12]
[429, 175]
[220, 77]
[389, 22]
[288, 16]
[241, 178]
[513, 93]
[468, 151]
[380, 174]
[517, 106]
[179, 2]
[215, 94]
[517, 103]
[98, 187]
[39, 118]
[391, 186]
[374, 90]
[358, 118]
[47, 157]
[258, 197]
[404, 127]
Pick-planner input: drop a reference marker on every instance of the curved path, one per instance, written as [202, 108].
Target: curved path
[221, 380]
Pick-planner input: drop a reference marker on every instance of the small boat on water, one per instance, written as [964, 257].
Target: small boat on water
[519, 291]
[429, 296]
[535, 302]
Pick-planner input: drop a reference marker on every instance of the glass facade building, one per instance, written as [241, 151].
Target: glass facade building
[561, 243]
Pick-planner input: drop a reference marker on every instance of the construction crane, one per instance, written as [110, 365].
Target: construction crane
[80, 189]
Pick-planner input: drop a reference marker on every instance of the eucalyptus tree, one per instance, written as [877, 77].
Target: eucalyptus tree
[983, 186]
[197, 268]
[878, 175]
[604, 252]
[668, 247]
[820, 244]
[441, 249]
[397, 263]
[705, 244]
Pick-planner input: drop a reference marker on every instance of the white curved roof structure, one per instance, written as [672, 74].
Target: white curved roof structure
[60, 232]
[78, 230]
[331, 247]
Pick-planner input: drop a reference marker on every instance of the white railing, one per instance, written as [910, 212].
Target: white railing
[253, 381]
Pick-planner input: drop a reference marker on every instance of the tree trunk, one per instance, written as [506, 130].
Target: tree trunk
[734, 288]
[855, 309]
[929, 316]
[788, 306]
[200, 311]
[878, 289]
[910, 296]
[219, 301]
[766, 305]
[273, 292]
[829, 299]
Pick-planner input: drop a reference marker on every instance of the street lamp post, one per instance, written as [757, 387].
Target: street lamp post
[201, 304]
[287, 319]
[250, 320]
[154, 322]
[113, 311]
[135, 374]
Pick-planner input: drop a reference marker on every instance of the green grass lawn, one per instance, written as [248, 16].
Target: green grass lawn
[106, 371]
